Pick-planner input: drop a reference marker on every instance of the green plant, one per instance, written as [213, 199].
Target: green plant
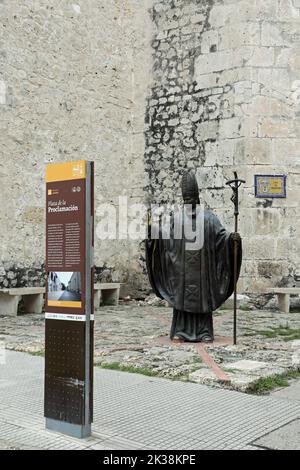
[266, 384]
[37, 353]
[287, 333]
[128, 368]
[245, 308]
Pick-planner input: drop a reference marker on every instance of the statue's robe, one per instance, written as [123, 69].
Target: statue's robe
[194, 282]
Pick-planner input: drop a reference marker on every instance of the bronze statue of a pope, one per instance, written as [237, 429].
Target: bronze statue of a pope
[194, 279]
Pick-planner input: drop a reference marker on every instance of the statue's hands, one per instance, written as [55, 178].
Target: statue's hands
[236, 237]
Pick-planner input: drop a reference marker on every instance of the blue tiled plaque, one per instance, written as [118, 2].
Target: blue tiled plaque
[270, 186]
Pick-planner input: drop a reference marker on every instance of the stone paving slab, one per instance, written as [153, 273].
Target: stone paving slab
[292, 392]
[136, 336]
[286, 437]
[137, 412]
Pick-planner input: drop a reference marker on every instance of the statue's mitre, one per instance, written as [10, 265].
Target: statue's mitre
[189, 186]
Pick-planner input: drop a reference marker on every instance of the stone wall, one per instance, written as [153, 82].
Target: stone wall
[73, 85]
[225, 96]
[216, 85]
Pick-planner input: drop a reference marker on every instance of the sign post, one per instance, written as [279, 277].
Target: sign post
[69, 317]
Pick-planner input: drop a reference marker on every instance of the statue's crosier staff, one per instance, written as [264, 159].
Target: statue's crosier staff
[235, 184]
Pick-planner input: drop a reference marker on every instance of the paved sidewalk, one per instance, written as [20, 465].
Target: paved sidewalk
[138, 412]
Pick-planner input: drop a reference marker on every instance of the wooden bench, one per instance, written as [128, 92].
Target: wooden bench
[106, 293]
[33, 298]
[283, 294]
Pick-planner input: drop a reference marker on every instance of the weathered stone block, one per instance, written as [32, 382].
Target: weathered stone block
[209, 39]
[221, 14]
[213, 62]
[239, 152]
[206, 80]
[275, 79]
[215, 198]
[277, 127]
[220, 152]
[267, 222]
[234, 35]
[231, 128]
[258, 151]
[268, 106]
[210, 177]
[249, 267]
[242, 92]
[256, 10]
[283, 247]
[260, 57]
[173, 122]
[260, 247]
[271, 35]
[206, 130]
[252, 285]
[288, 10]
[198, 18]
[271, 269]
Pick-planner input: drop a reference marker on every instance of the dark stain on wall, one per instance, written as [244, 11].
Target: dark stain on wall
[177, 106]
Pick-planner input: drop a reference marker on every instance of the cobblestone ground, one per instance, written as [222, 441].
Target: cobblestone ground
[135, 336]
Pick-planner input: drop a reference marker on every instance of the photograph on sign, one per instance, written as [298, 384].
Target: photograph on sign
[64, 289]
[64, 286]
